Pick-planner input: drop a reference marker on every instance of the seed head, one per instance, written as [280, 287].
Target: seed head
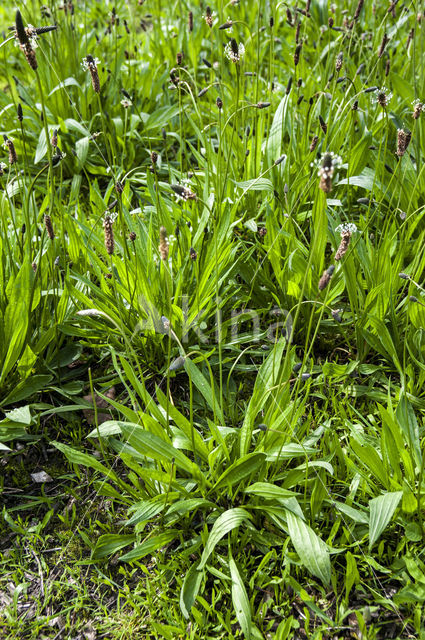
[289, 85]
[30, 57]
[190, 22]
[314, 142]
[384, 43]
[338, 63]
[263, 105]
[19, 112]
[297, 32]
[109, 234]
[21, 33]
[382, 97]
[163, 244]
[323, 125]
[192, 254]
[183, 193]
[209, 16]
[403, 139]
[54, 139]
[336, 315]
[418, 107]
[13, 158]
[343, 245]
[233, 51]
[357, 11]
[89, 63]
[219, 103]
[327, 169]
[297, 54]
[49, 227]
[326, 277]
[132, 236]
[178, 363]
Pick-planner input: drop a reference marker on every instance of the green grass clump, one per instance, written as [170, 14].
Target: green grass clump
[211, 307]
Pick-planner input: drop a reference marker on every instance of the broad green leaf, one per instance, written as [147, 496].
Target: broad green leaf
[266, 378]
[150, 545]
[85, 460]
[277, 130]
[41, 149]
[181, 507]
[407, 420]
[240, 600]
[365, 179]
[190, 589]
[184, 424]
[68, 82]
[382, 510]
[82, 149]
[204, 388]
[257, 184]
[20, 414]
[110, 543]
[16, 317]
[159, 117]
[72, 124]
[371, 459]
[269, 491]
[354, 514]
[225, 522]
[144, 510]
[108, 428]
[313, 552]
[240, 470]
[352, 574]
[151, 446]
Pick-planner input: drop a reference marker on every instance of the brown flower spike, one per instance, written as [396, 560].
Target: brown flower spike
[326, 277]
[403, 139]
[13, 158]
[343, 245]
[49, 227]
[90, 64]
[109, 235]
[163, 244]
